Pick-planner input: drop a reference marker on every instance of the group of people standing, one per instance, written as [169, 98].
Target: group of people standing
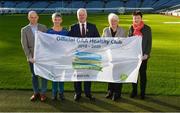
[84, 29]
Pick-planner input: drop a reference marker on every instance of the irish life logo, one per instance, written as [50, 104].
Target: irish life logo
[87, 60]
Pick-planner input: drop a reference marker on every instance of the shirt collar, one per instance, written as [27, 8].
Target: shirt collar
[35, 26]
[83, 23]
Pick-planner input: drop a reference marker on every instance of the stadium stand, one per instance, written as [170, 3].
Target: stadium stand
[112, 3]
[20, 6]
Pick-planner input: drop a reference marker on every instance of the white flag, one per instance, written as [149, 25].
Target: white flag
[63, 58]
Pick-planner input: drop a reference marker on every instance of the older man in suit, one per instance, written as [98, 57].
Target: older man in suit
[27, 41]
[114, 30]
[83, 29]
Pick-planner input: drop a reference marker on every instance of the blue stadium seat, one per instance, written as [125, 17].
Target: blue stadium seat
[77, 4]
[9, 4]
[23, 4]
[39, 4]
[113, 4]
[95, 4]
[133, 3]
[56, 4]
[148, 3]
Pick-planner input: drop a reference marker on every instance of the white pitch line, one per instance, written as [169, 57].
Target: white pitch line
[171, 22]
[132, 20]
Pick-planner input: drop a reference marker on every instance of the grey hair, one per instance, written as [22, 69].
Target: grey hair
[81, 10]
[31, 12]
[113, 16]
[54, 15]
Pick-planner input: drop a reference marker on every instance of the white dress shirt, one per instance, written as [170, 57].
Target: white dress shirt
[85, 27]
[34, 28]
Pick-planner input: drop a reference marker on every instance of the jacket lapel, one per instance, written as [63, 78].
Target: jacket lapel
[39, 27]
[109, 32]
[30, 32]
[118, 32]
[78, 30]
[87, 29]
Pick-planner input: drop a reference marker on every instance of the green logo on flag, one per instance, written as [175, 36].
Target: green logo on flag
[123, 77]
[87, 60]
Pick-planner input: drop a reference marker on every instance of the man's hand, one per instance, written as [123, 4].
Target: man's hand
[31, 60]
[144, 57]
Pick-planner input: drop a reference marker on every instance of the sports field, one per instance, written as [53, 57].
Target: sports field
[18, 101]
[163, 68]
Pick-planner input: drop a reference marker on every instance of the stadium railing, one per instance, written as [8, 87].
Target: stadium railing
[71, 10]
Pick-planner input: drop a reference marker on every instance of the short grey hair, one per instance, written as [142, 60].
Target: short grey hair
[31, 12]
[81, 10]
[54, 15]
[113, 16]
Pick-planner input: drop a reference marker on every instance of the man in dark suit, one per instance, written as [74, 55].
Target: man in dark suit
[83, 29]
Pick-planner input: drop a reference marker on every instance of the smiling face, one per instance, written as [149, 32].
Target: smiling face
[82, 16]
[33, 17]
[57, 21]
[113, 20]
[113, 23]
[137, 19]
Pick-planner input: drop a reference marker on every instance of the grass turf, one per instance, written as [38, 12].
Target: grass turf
[163, 67]
[18, 101]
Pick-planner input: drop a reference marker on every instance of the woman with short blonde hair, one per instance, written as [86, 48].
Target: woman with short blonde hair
[114, 30]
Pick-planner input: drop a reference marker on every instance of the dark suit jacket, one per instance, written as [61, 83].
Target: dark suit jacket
[91, 31]
[146, 39]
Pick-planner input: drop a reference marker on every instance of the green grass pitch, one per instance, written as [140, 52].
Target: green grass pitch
[163, 67]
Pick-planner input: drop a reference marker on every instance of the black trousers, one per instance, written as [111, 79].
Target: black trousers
[78, 88]
[143, 79]
[115, 88]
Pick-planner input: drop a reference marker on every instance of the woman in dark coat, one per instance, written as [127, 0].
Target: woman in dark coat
[139, 28]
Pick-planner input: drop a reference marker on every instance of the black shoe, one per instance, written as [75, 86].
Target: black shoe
[115, 97]
[142, 97]
[61, 96]
[77, 97]
[109, 94]
[133, 95]
[91, 98]
[54, 98]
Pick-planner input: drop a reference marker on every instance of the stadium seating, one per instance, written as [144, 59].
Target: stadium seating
[155, 4]
[133, 3]
[95, 4]
[89, 4]
[113, 4]
[77, 4]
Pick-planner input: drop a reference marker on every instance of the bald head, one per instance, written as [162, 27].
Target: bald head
[33, 17]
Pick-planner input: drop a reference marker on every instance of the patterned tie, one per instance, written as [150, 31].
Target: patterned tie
[83, 31]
